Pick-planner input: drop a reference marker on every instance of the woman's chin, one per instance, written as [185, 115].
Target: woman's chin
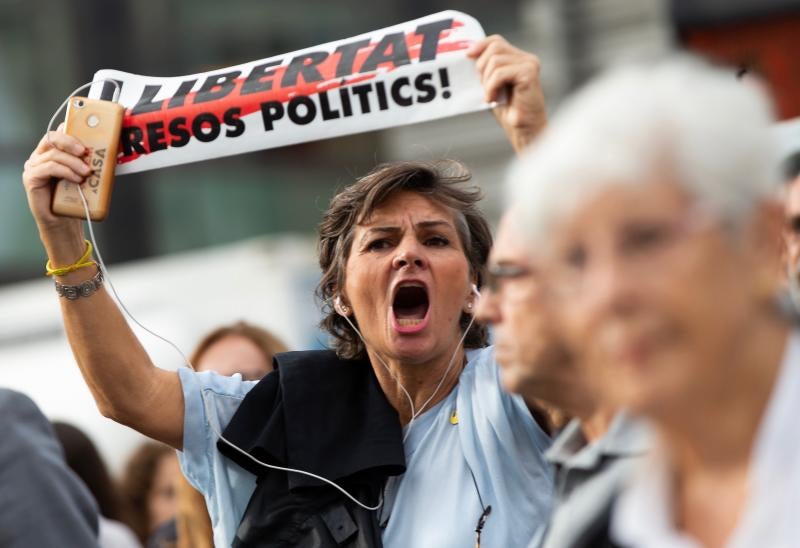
[415, 349]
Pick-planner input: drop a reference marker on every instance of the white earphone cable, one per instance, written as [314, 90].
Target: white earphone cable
[114, 98]
[414, 412]
[102, 266]
[119, 302]
[121, 305]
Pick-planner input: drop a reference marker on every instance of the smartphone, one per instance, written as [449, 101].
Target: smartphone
[97, 124]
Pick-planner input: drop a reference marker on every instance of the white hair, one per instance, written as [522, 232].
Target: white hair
[681, 117]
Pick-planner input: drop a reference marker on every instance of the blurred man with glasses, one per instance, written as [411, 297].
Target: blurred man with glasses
[595, 446]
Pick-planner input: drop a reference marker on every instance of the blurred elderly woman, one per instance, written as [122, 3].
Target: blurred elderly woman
[654, 192]
[401, 253]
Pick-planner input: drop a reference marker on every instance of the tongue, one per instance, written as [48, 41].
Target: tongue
[416, 312]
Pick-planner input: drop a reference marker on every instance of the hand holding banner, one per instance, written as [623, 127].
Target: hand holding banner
[407, 73]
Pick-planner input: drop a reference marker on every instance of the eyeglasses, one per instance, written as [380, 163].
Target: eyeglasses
[497, 274]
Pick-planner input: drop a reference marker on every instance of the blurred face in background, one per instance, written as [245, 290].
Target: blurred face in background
[162, 500]
[235, 354]
[791, 231]
[514, 304]
[654, 294]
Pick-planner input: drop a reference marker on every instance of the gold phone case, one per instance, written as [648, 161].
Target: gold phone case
[97, 125]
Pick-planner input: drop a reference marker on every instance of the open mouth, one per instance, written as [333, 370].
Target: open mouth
[410, 306]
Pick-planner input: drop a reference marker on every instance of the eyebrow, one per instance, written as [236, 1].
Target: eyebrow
[433, 224]
[395, 229]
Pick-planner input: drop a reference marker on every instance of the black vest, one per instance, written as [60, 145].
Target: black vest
[323, 415]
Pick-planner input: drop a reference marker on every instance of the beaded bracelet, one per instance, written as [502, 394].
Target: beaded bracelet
[83, 289]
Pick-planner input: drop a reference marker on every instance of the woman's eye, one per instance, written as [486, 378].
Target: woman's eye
[437, 241]
[644, 237]
[378, 244]
[575, 258]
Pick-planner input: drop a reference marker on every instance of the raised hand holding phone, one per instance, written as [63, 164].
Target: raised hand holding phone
[96, 124]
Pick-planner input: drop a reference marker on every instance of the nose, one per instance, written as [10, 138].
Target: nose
[409, 255]
[487, 310]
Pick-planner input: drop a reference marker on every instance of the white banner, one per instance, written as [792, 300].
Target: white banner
[408, 73]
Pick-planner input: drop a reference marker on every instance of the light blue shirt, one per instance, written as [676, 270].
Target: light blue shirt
[478, 429]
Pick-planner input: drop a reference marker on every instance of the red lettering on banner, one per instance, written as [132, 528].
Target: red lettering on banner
[174, 120]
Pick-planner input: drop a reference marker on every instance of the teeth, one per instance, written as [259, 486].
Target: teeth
[408, 322]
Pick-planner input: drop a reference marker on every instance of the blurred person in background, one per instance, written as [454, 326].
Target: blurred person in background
[148, 488]
[42, 502]
[654, 193]
[84, 459]
[791, 230]
[237, 348]
[595, 446]
[400, 250]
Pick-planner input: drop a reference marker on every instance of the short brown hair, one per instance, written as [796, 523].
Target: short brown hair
[441, 182]
[268, 343]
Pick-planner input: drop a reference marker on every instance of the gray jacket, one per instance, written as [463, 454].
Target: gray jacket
[588, 476]
[42, 503]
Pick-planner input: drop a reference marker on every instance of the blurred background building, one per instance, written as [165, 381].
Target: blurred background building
[197, 245]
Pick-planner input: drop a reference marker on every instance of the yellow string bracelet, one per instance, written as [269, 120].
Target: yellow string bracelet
[83, 262]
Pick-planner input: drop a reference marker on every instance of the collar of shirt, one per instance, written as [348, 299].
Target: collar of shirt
[625, 437]
[642, 515]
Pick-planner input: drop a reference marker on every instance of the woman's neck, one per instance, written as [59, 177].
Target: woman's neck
[420, 380]
[720, 428]
[710, 439]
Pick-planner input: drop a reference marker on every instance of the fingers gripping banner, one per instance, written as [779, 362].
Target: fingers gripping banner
[408, 73]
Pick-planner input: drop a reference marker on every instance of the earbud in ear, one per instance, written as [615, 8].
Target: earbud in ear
[340, 307]
[471, 302]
